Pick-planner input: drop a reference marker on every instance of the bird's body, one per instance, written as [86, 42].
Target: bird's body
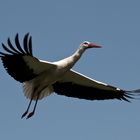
[41, 78]
[49, 73]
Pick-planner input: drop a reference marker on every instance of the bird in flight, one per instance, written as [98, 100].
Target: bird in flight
[42, 78]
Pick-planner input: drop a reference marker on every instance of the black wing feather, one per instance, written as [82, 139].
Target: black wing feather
[12, 47]
[13, 60]
[25, 44]
[2, 54]
[19, 70]
[30, 46]
[18, 44]
[89, 93]
[8, 50]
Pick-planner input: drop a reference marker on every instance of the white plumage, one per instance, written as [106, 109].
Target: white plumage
[28, 90]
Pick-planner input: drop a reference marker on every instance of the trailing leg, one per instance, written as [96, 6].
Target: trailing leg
[32, 113]
[24, 114]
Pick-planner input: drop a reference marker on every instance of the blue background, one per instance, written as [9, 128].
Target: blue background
[57, 28]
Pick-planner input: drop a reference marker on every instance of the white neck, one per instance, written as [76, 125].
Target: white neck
[69, 62]
[77, 55]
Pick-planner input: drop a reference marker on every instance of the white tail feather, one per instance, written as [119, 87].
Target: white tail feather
[28, 90]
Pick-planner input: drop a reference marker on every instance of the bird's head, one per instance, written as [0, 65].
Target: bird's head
[87, 45]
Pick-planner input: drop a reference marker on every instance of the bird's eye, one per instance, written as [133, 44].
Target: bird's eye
[86, 43]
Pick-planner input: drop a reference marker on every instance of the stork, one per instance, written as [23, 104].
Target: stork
[41, 78]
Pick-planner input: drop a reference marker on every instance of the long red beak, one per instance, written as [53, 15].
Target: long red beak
[93, 45]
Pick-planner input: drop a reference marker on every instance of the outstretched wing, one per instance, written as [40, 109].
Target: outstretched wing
[74, 84]
[19, 61]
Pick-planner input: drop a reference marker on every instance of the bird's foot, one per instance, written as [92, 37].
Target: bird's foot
[24, 114]
[30, 115]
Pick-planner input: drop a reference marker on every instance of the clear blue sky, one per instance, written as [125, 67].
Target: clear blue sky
[57, 28]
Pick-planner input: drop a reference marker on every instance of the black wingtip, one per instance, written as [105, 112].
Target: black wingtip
[12, 47]
[25, 43]
[13, 59]
[27, 34]
[12, 50]
[18, 44]
[126, 98]
[7, 49]
[133, 94]
[30, 46]
[2, 54]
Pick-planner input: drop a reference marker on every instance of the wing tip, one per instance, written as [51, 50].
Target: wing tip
[133, 94]
[18, 49]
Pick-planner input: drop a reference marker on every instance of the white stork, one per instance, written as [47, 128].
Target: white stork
[41, 78]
